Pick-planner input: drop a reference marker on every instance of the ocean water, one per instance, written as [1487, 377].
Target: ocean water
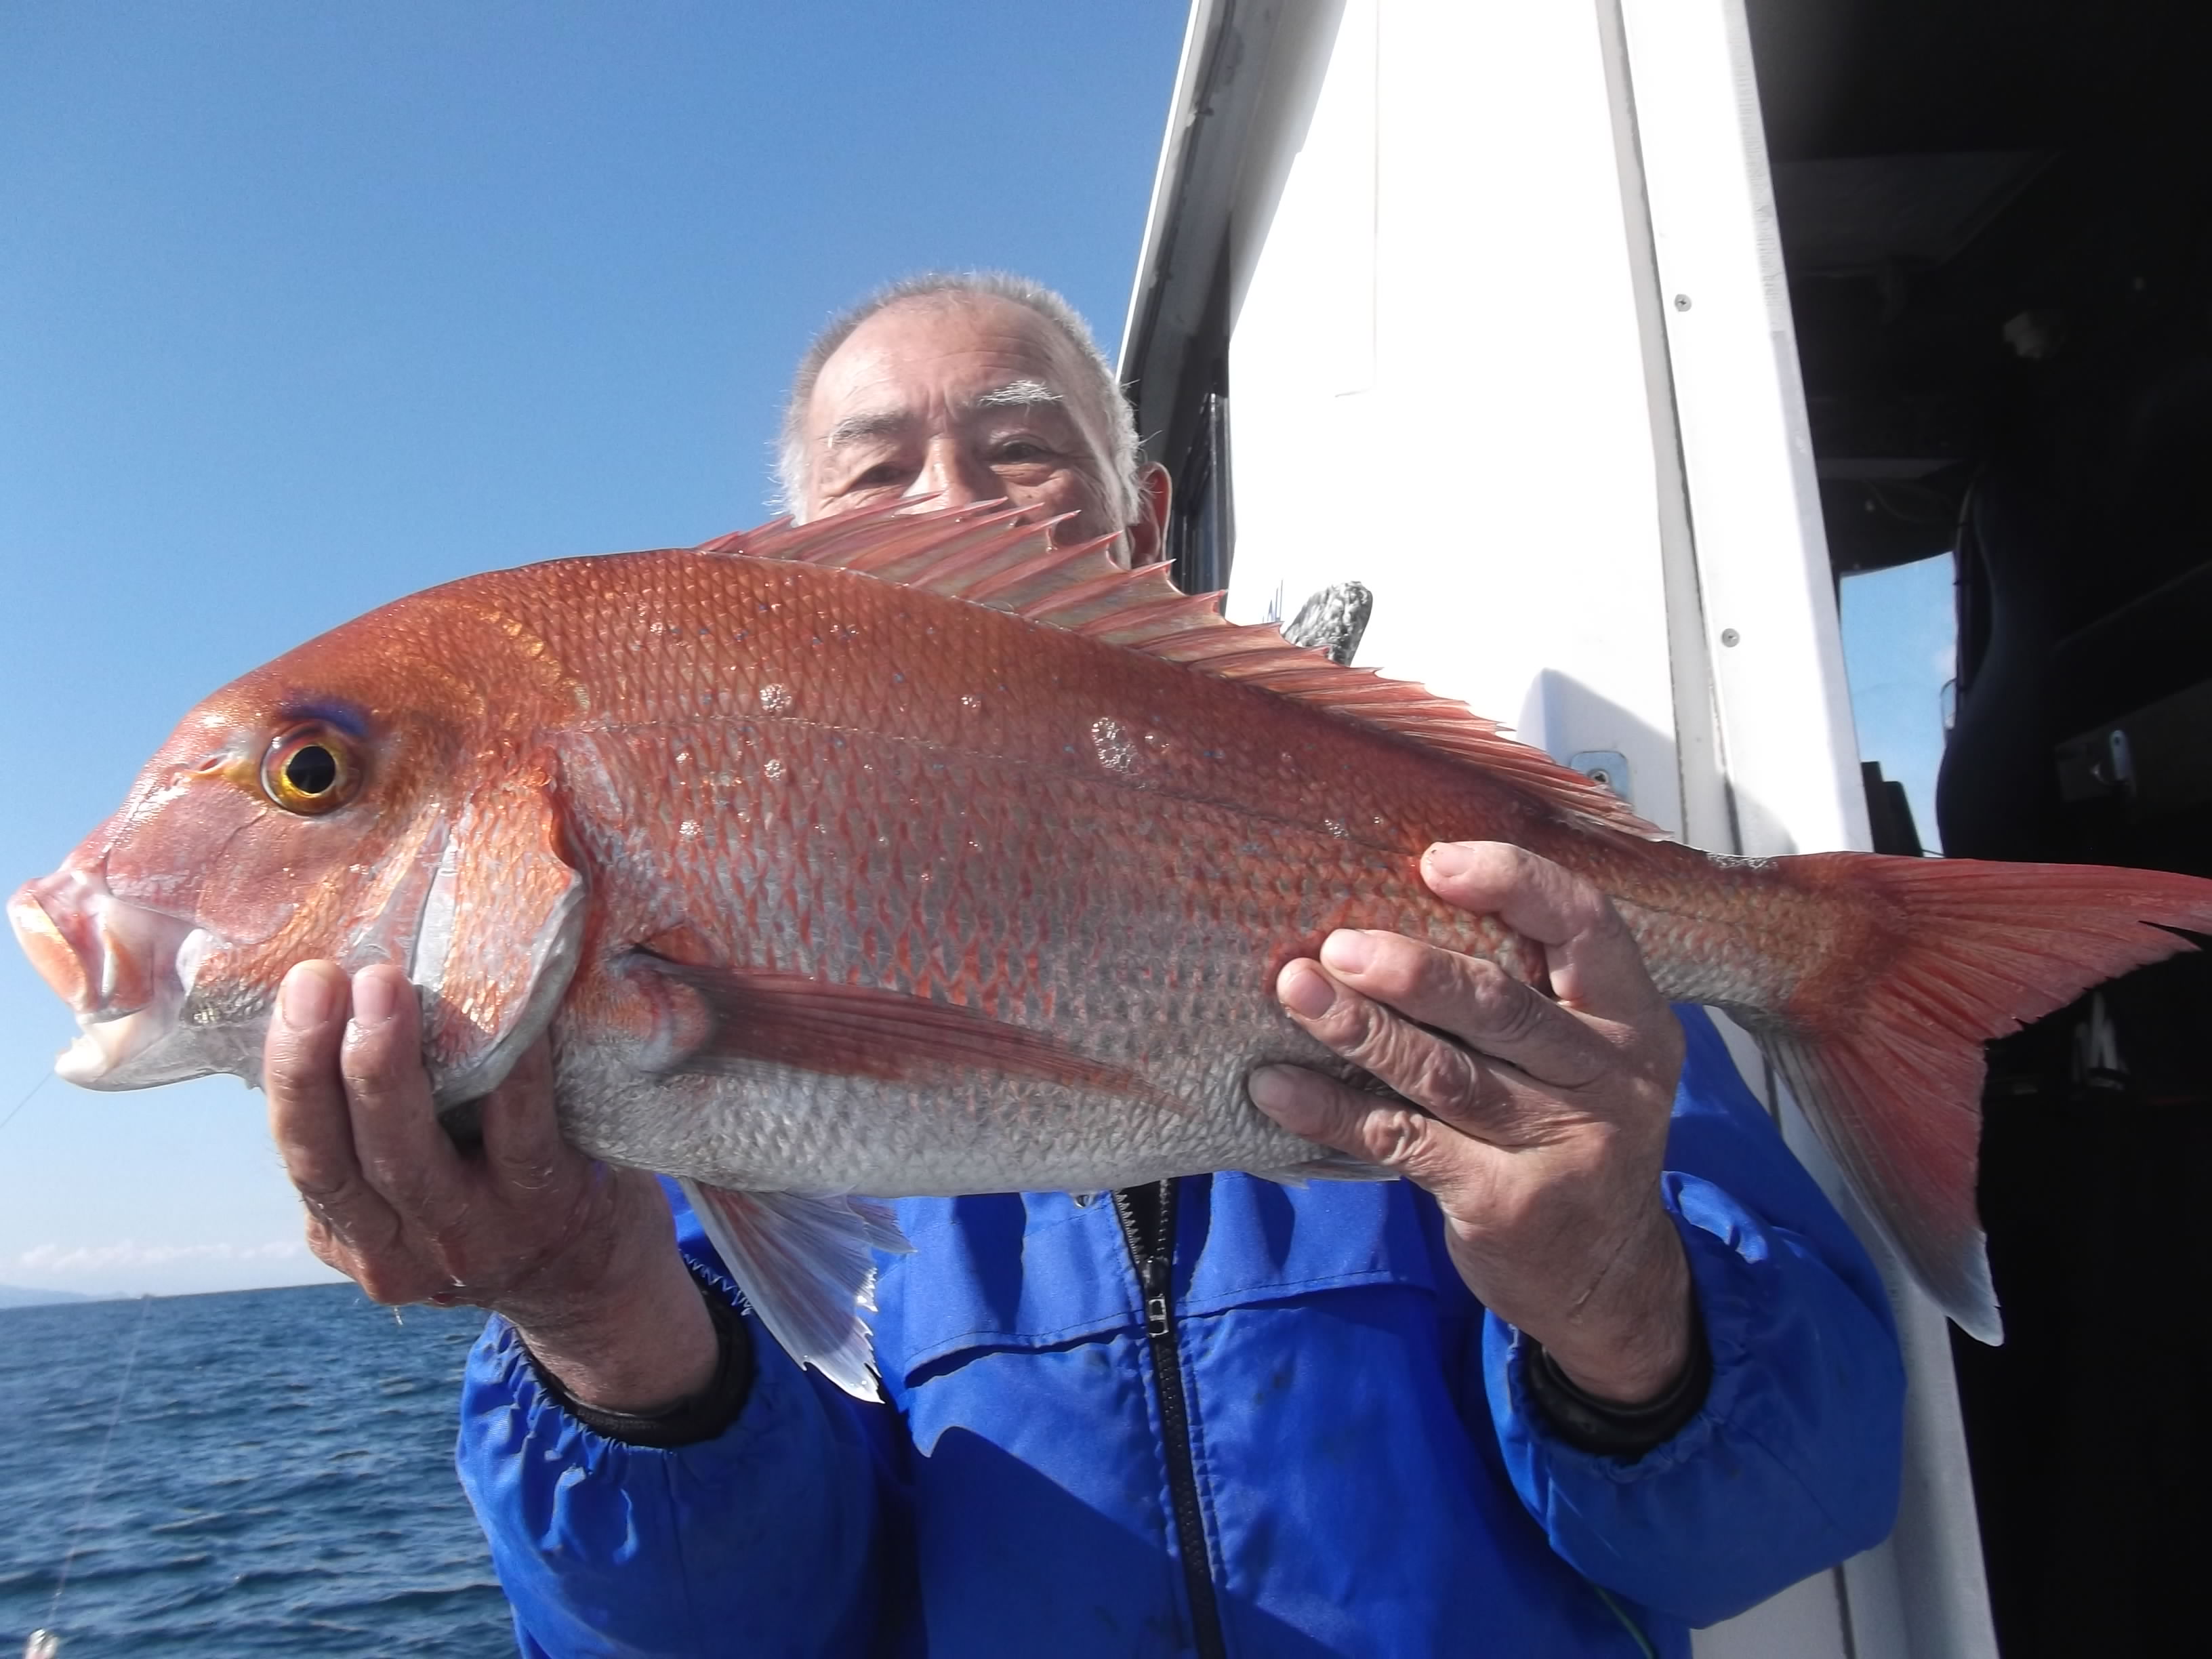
[281, 1479]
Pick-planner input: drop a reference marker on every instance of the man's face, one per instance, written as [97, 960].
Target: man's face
[967, 399]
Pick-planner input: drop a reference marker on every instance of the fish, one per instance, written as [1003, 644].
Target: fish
[906, 853]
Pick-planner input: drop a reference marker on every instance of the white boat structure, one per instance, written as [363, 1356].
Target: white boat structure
[1489, 309]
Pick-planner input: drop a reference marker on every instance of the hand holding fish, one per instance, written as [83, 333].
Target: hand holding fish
[578, 1256]
[1543, 1137]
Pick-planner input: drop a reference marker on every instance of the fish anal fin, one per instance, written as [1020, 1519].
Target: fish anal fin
[708, 1018]
[988, 556]
[806, 1264]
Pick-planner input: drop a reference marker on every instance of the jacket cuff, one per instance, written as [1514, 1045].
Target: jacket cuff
[702, 1416]
[1606, 1428]
[1727, 1320]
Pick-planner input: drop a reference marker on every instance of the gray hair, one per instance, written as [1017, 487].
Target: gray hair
[1116, 420]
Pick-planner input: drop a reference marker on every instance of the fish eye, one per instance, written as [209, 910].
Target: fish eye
[311, 769]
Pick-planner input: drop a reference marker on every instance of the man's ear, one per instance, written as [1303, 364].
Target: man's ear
[1148, 531]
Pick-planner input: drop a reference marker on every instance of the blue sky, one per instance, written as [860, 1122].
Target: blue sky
[1900, 650]
[303, 307]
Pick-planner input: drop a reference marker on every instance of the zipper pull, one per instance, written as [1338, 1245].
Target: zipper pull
[1156, 1273]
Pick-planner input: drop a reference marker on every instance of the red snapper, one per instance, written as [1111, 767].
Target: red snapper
[908, 854]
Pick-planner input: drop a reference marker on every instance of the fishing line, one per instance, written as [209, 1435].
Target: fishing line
[26, 1100]
[99, 1468]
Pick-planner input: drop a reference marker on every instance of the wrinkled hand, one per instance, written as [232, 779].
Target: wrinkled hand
[581, 1258]
[1540, 1130]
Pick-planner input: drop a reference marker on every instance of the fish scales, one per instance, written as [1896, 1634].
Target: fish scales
[883, 827]
[907, 853]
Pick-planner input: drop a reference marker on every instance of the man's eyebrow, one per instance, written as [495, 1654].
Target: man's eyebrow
[1019, 394]
[854, 427]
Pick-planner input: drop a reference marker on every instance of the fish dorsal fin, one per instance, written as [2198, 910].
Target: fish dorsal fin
[988, 556]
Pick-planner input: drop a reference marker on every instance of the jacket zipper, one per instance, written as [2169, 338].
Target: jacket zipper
[1151, 1239]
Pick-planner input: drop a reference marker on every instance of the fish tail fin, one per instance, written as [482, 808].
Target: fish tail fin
[1884, 1051]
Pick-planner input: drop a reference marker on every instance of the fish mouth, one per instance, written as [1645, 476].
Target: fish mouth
[124, 971]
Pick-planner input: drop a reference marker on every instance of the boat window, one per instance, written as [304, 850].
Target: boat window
[1900, 650]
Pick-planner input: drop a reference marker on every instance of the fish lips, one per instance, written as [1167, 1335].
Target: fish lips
[126, 972]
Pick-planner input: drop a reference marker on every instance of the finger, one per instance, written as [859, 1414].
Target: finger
[1373, 1128]
[308, 1117]
[1593, 958]
[521, 1134]
[323, 1245]
[404, 1154]
[1472, 999]
[1417, 1064]
[1488, 1099]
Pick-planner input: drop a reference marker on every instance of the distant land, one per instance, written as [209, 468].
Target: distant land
[15, 1296]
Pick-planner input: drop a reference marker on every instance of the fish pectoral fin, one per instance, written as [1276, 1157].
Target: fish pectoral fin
[715, 1019]
[806, 1264]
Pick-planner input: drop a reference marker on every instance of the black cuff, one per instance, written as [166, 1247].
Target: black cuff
[1606, 1428]
[698, 1417]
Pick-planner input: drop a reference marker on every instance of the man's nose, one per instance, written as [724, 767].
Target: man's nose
[955, 475]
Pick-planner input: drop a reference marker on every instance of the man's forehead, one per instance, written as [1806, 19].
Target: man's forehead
[982, 353]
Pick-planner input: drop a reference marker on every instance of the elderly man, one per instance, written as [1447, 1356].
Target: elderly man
[1604, 1366]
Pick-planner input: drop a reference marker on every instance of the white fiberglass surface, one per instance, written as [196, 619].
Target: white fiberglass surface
[1436, 381]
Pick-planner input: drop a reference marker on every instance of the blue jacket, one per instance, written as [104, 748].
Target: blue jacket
[1372, 1475]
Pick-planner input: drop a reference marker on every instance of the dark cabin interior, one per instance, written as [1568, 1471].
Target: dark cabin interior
[1996, 217]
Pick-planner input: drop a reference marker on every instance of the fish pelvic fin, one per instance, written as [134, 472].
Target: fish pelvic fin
[1885, 1056]
[988, 557]
[715, 1019]
[806, 1264]
[1329, 1166]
